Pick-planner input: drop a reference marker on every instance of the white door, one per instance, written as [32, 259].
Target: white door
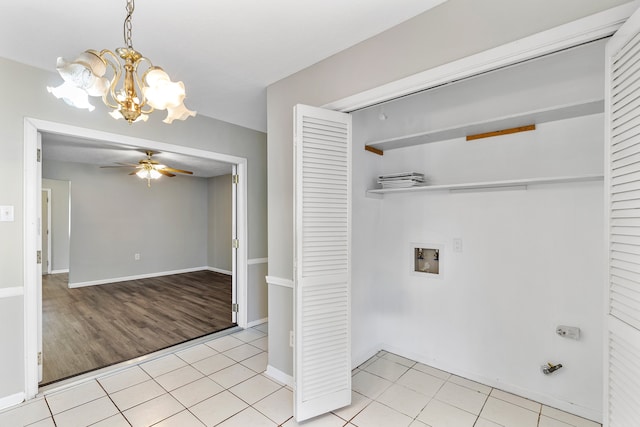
[622, 127]
[322, 336]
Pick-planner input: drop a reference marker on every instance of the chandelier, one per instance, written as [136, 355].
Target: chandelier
[127, 82]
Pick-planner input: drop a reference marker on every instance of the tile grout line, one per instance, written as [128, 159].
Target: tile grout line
[53, 420]
[483, 405]
[114, 404]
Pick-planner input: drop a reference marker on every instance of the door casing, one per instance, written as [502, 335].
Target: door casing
[32, 200]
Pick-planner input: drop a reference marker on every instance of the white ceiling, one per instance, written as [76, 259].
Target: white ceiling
[67, 148]
[226, 51]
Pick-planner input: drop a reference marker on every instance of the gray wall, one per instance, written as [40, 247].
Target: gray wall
[219, 222]
[115, 216]
[453, 30]
[258, 309]
[59, 223]
[24, 89]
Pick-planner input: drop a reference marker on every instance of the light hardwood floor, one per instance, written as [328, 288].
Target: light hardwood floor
[96, 326]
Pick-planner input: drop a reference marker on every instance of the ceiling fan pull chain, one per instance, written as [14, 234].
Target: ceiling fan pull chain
[127, 24]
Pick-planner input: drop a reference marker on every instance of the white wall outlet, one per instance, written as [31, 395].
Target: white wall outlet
[136, 257]
[6, 213]
[457, 245]
[572, 332]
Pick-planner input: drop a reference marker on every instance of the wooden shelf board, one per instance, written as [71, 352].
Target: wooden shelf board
[517, 120]
[490, 184]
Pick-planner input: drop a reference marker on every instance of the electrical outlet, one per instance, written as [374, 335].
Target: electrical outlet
[136, 257]
[6, 213]
[457, 245]
[572, 332]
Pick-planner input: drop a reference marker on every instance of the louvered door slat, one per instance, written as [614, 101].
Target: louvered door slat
[624, 144]
[628, 127]
[622, 148]
[626, 213]
[628, 186]
[626, 196]
[626, 106]
[622, 374]
[625, 86]
[624, 248]
[625, 256]
[322, 358]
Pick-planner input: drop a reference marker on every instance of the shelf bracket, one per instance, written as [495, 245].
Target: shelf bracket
[373, 150]
[501, 132]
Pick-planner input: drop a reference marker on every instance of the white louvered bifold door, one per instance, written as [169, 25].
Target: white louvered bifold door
[322, 339]
[622, 124]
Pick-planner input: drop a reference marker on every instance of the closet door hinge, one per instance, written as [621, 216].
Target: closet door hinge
[39, 358]
[234, 308]
[38, 155]
[235, 179]
[39, 257]
[235, 243]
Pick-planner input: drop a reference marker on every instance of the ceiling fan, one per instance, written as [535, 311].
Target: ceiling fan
[150, 169]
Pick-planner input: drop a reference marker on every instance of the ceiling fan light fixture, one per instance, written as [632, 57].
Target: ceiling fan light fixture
[131, 96]
[150, 173]
[150, 169]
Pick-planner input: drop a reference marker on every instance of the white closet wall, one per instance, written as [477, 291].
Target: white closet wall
[531, 258]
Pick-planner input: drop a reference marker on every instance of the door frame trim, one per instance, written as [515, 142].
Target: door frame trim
[48, 260]
[589, 28]
[32, 190]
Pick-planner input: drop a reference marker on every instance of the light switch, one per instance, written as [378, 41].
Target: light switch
[6, 213]
[457, 245]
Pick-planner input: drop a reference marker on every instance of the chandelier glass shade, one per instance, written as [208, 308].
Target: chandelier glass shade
[127, 82]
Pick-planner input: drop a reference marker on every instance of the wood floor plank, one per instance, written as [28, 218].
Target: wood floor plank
[96, 326]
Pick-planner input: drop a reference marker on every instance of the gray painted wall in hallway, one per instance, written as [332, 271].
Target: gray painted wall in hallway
[28, 98]
[115, 216]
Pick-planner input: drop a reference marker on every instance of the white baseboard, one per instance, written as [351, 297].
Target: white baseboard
[64, 270]
[257, 322]
[360, 358]
[13, 400]
[137, 277]
[279, 376]
[219, 270]
[254, 261]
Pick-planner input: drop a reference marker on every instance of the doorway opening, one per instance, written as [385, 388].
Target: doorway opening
[79, 280]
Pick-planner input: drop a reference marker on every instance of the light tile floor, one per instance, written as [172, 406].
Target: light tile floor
[221, 383]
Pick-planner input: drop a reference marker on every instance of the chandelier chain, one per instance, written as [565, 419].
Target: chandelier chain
[127, 24]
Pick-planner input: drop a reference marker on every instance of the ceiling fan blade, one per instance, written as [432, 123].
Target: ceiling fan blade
[120, 166]
[133, 173]
[165, 173]
[167, 168]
